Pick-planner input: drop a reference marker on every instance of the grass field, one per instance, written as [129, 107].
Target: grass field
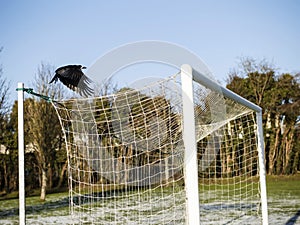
[283, 203]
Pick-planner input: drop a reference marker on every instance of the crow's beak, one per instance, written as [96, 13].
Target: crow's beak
[84, 67]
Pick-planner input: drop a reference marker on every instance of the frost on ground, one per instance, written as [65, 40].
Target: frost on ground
[292, 218]
[153, 209]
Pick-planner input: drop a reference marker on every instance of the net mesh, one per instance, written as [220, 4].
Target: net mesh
[126, 156]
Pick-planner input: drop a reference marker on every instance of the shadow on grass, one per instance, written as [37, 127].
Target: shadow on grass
[294, 219]
[60, 203]
[64, 202]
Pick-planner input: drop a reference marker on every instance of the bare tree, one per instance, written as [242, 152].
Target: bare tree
[4, 98]
[7, 169]
[44, 127]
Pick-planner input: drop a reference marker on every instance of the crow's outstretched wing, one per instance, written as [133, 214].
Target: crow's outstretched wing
[73, 77]
[83, 87]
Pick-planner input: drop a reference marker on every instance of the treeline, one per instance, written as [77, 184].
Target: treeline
[279, 97]
[46, 160]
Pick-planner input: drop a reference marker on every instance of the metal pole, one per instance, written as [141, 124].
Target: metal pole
[190, 146]
[21, 154]
[262, 169]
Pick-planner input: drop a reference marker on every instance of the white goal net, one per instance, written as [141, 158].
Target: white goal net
[128, 157]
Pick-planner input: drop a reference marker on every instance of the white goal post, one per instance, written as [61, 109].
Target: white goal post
[183, 150]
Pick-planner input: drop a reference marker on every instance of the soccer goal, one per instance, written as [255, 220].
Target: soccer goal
[183, 150]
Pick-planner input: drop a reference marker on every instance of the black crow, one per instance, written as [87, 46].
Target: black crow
[73, 77]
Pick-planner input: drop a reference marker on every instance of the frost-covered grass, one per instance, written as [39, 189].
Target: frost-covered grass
[56, 205]
[284, 199]
[283, 203]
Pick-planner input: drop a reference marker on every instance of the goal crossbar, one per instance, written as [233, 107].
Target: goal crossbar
[205, 81]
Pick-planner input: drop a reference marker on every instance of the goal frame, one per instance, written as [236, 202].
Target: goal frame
[188, 75]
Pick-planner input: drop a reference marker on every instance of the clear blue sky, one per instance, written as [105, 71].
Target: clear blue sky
[219, 32]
